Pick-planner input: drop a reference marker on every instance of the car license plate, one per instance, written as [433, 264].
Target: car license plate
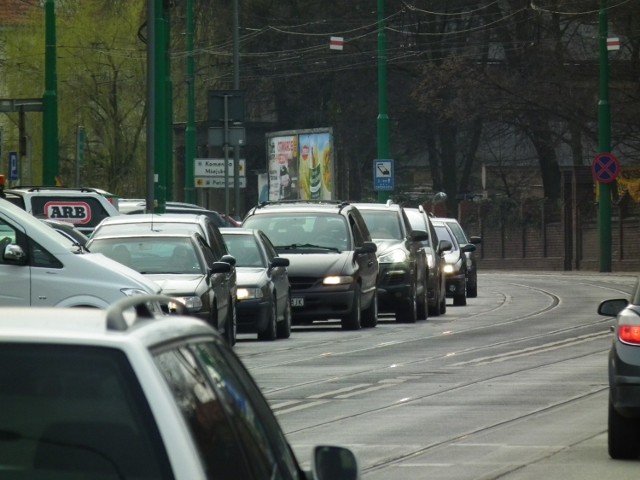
[297, 302]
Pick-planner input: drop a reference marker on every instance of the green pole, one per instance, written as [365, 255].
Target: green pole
[168, 101]
[190, 131]
[383, 117]
[604, 136]
[50, 160]
[159, 100]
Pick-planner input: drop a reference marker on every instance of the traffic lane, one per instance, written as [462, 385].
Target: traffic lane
[340, 410]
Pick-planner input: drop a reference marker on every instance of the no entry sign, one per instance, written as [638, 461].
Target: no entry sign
[605, 168]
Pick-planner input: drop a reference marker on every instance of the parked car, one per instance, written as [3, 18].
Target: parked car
[41, 268]
[624, 376]
[183, 265]
[472, 261]
[333, 267]
[434, 251]
[138, 206]
[402, 283]
[264, 297]
[127, 393]
[84, 207]
[455, 267]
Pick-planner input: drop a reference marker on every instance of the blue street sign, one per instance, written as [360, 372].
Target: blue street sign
[13, 166]
[383, 178]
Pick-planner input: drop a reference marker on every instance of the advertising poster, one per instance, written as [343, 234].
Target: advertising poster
[316, 176]
[283, 167]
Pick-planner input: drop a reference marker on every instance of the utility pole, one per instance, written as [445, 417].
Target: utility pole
[190, 131]
[236, 86]
[151, 108]
[160, 103]
[604, 140]
[50, 146]
[383, 117]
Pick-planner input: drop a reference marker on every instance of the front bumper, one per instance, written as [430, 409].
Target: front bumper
[252, 315]
[455, 284]
[321, 302]
[394, 284]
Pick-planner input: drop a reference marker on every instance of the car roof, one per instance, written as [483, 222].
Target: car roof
[238, 231]
[377, 206]
[154, 217]
[299, 206]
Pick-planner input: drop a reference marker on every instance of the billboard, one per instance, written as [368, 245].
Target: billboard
[300, 165]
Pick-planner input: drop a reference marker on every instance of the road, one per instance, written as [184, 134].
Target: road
[511, 386]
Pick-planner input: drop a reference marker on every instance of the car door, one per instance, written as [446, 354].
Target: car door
[218, 281]
[367, 262]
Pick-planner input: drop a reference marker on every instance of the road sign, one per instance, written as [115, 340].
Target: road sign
[383, 178]
[605, 168]
[214, 167]
[13, 166]
[218, 182]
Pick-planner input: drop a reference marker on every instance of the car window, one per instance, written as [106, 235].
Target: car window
[218, 245]
[383, 224]
[444, 233]
[76, 409]
[86, 212]
[418, 222]
[358, 236]
[458, 232]
[271, 252]
[245, 249]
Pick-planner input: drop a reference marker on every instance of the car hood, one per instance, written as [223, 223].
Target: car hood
[142, 281]
[173, 284]
[316, 264]
[452, 257]
[385, 246]
[250, 275]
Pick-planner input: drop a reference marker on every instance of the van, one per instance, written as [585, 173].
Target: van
[41, 268]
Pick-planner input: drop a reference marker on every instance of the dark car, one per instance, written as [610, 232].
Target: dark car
[472, 262]
[402, 283]
[264, 301]
[434, 250]
[181, 262]
[455, 267]
[333, 267]
[624, 376]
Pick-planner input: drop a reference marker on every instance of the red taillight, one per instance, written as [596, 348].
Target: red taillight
[629, 334]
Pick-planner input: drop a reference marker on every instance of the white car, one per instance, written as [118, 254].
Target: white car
[125, 393]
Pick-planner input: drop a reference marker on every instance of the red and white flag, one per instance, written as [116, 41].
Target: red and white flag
[613, 43]
[336, 43]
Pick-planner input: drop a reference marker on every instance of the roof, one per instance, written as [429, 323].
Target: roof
[17, 12]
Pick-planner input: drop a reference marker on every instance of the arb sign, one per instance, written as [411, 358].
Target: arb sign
[605, 168]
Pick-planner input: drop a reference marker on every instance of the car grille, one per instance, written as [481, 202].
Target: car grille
[394, 278]
[302, 283]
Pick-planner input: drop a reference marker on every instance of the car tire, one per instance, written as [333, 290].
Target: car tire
[270, 332]
[422, 305]
[472, 288]
[443, 305]
[231, 325]
[352, 321]
[623, 437]
[284, 328]
[460, 299]
[369, 317]
[407, 312]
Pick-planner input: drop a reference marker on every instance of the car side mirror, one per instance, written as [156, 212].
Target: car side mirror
[14, 254]
[229, 259]
[611, 308]
[334, 463]
[279, 262]
[444, 245]
[367, 247]
[220, 267]
[468, 247]
[418, 236]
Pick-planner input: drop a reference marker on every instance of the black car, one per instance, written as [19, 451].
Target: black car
[402, 284]
[434, 250]
[455, 267]
[264, 301]
[333, 267]
[472, 261]
[181, 262]
[624, 376]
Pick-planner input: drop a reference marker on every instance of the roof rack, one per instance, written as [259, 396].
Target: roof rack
[37, 188]
[142, 306]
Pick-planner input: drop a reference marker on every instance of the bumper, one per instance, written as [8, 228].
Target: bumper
[394, 284]
[455, 285]
[320, 305]
[252, 315]
[624, 379]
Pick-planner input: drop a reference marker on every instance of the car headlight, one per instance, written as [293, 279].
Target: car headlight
[245, 293]
[130, 292]
[394, 256]
[337, 280]
[193, 304]
[449, 268]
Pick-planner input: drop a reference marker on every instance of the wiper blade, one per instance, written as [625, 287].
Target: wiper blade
[295, 246]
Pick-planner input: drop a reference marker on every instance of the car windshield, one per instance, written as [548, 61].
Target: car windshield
[151, 255]
[302, 231]
[75, 408]
[382, 224]
[245, 249]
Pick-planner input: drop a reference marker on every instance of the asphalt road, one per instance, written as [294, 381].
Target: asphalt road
[512, 386]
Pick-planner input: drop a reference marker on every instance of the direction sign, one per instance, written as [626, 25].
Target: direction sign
[218, 182]
[605, 168]
[214, 167]
[383, 178]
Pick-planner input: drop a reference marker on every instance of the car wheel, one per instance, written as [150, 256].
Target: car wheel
[472, 288]
[231, 326]
[407, 312]
[623, 436]
[352, 320]
[421, 313]
[443, 305]
[370, 314]
[284, 328]
[460, 299]
[270, 333]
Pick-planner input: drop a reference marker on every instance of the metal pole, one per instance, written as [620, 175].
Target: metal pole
[236, 86]
[383, 117]
[50, 159]
[225, 146]
[604, 137]
[160, 99]
[151, 97]
[190, 131]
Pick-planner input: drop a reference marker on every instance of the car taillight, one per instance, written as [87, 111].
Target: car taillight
[629, 334]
